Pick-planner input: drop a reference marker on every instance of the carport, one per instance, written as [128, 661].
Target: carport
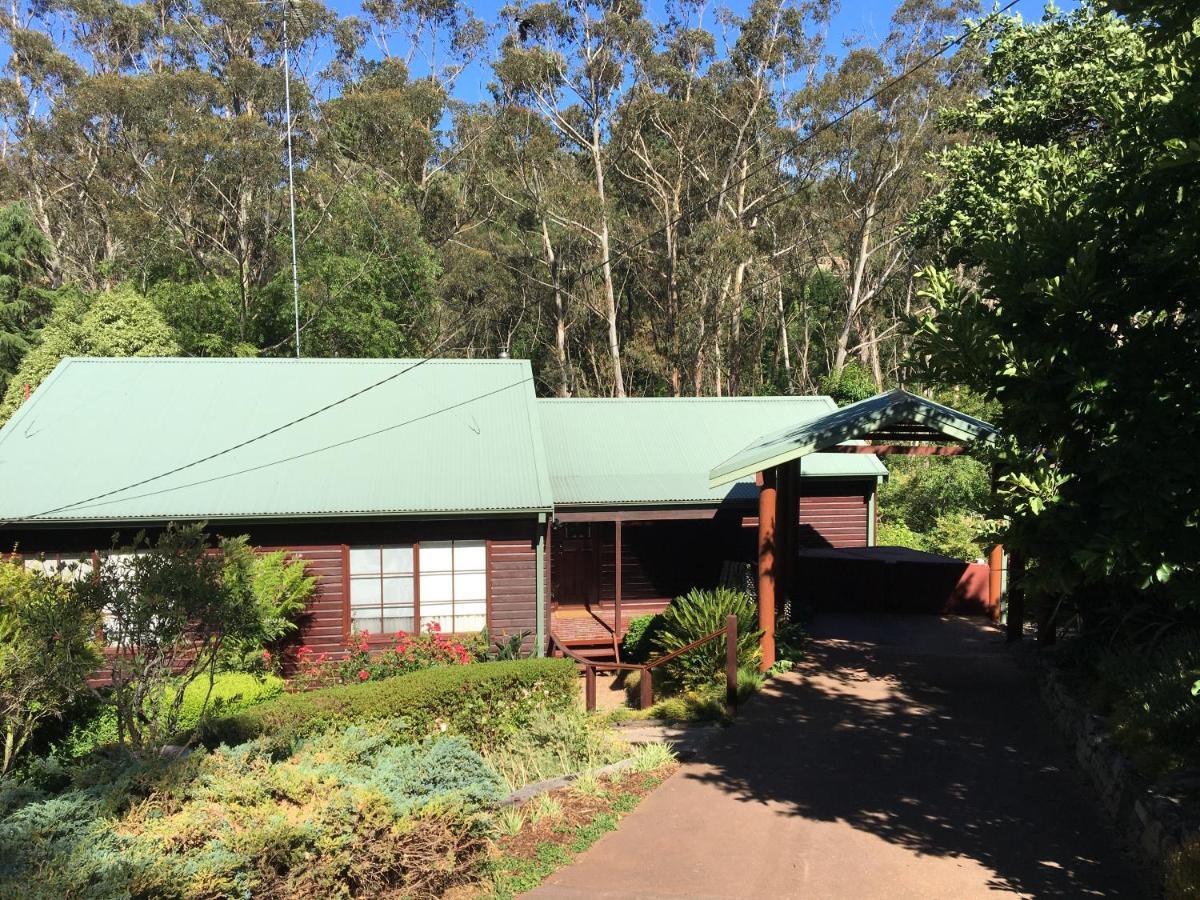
[893, 423]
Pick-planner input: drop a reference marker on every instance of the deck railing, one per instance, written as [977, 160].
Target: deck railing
[646, 669]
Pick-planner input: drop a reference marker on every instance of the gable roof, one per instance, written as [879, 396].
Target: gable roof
[443, 437]
[896, 408]
[642, 451]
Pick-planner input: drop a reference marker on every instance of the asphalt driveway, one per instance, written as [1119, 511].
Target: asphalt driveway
[909, 758]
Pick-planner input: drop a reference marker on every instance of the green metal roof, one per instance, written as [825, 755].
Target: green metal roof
[809, 436]
[640, 451]
[444, 437]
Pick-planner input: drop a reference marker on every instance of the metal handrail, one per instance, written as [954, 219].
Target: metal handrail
[646, 679]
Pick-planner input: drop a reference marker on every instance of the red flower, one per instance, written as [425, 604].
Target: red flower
[434, 627]
[363, 674]
[266, 656]
[304, 650]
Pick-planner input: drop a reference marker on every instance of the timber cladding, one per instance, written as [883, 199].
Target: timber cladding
[325, 628]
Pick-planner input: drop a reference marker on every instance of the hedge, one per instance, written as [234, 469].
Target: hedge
[484, 702]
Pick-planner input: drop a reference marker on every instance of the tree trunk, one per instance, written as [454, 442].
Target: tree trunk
[610, 294]
[560, 314]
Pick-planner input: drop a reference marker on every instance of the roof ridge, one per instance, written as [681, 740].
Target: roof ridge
[769, 398]
[286, 360]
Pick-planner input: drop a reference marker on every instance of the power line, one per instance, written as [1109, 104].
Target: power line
[238, 446]
[825, 126]
[306, 453]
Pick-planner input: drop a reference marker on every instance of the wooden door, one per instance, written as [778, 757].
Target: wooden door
[576, 564]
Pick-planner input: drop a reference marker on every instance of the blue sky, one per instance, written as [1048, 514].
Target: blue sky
[855, 19]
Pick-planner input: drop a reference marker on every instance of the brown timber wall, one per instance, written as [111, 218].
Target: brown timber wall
[834, 513]
[512, 597]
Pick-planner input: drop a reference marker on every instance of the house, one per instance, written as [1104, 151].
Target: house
[420, 491]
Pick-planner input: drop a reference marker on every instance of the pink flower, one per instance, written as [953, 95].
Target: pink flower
[266, 656]
[363, 674]
[304, 651]
[362, 646]
[434, 627]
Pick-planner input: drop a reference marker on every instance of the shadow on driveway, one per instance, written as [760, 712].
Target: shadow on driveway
[909, 757]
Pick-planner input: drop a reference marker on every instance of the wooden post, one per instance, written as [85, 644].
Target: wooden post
[1015, 628]
[731, 664]
[767, 508]
[784, 529]
[996, 580]
[646, 689]
[617, 589]
[589, 687]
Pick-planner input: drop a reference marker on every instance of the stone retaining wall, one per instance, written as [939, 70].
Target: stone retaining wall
[1155, 818]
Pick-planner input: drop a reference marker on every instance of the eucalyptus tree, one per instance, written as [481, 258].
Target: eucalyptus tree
[572, 62]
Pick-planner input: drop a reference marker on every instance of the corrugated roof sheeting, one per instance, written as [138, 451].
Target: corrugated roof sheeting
[446, 436]
[805, 439]
[659, 450]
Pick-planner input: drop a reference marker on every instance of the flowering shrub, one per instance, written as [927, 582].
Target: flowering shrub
[406, 653]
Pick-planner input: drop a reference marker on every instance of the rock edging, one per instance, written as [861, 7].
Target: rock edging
[1148, 815]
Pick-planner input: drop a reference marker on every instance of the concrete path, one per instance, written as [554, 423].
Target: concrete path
[909, 758]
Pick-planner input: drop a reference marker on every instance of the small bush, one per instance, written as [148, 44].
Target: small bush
[638, 643]
[231, 692]
[488, 703]
[405, 653]
[697, 614]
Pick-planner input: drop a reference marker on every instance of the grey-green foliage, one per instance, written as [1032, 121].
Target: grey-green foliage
[332, 792]
[120, 322]
[697, 614]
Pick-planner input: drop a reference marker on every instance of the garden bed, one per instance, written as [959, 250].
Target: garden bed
[558, 825]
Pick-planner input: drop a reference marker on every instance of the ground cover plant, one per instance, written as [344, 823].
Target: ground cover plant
[360, 803]
[355, 811]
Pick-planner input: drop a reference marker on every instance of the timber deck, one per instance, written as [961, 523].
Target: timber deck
[578, 626]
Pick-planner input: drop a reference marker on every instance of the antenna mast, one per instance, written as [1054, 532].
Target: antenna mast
[287, 101]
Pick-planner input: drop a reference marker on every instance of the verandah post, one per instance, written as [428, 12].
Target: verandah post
[767, 506]
[995, 580]
[617, 635]
[731, 663]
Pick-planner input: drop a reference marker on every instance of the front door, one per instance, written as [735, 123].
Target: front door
[576, 563]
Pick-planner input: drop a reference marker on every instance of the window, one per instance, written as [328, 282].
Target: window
[454, 585]
[381, 589]
[406, 587]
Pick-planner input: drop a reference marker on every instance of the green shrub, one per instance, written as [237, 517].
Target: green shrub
[485, 702]
[638, 643]
[231, 692]
[1148, 696]
[47, 650]
[697, 614]
[897, 534]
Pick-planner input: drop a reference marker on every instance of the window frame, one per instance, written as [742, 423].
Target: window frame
[385, 637]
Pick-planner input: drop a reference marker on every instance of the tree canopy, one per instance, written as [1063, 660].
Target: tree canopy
[1067, 248]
